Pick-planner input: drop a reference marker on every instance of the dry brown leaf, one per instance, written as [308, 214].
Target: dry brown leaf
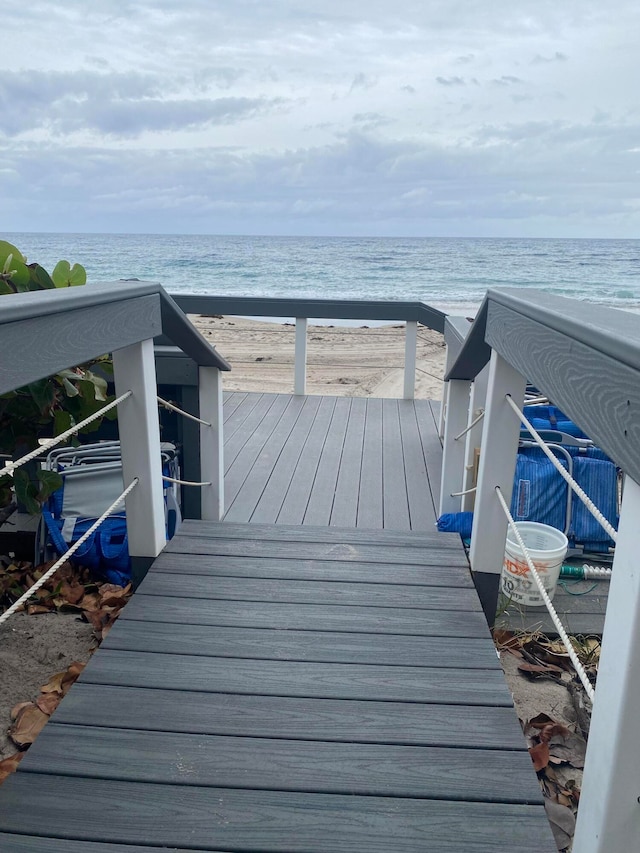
[27, 726]
[54, 685]
[34, 609]
[91, 601]
[17, 708]
[71, 592]
[10, 765]
[540, 756]
[48, 702]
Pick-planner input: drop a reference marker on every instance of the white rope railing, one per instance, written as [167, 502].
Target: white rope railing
[466, 492]
[545, 597]
[50, 572]
[586, 500]
[469, 428]
[10, 467]
[184, 482]
[184, 414]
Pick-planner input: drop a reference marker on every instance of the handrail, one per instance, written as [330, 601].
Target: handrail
[330, 309]
[50, 330]
[585, 357]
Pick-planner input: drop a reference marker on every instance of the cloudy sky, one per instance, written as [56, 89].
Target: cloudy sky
[362, 117]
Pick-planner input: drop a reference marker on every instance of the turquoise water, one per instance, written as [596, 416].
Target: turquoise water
[449, 273]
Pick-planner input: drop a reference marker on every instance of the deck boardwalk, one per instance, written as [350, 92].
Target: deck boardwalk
[275, 688]
[332, 461]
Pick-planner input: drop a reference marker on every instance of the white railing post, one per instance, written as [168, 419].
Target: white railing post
[300, 360]
[211, 443]
[500, 434]
[453, 451]
[410, 346]
[609, 811]
[474, 436]
[134, 369]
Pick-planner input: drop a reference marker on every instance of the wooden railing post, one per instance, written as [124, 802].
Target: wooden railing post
[410, 347]
[500, 434]
[134, 369]
[300, 361]
[211, 443]
[609, 812]
[453, 451]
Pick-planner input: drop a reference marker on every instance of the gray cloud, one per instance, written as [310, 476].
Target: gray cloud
[451, 81]
[506, 80]
[545, 60]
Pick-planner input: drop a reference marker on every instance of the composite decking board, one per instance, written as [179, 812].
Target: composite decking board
[254, 448]
[231, 401]
[427, 574]
[236, 427]
[341, 721]
[178, 815]
[295, 502]
[417, 479]
[314, 533]
[10, 843]
[345, 503]
[275, 644]
[395, 500]
[250, 416]
[310, 617]
[341, 551]
[269, 503]
[285, 765]
[296, 678]
[242, 505]
[370, 503]
[274, 590]
[432, 450]
[320, 504]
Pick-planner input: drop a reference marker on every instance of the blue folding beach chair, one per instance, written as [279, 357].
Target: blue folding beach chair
[92, 480]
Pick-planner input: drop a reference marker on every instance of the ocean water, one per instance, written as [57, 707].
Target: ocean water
[451, 274]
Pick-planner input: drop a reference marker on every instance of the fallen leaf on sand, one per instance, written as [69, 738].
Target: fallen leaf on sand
[540, 756]
[563, 823]
[10, 765]
[48, 702]
[27, 726]
[17, 708]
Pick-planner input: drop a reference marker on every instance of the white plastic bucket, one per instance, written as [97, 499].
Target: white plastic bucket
[547, 548]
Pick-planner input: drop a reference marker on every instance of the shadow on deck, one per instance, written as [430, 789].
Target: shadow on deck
[293, 688]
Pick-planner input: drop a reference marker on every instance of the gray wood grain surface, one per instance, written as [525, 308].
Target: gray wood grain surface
[311, 592]
[284, 765]
[311, 617]
[321, 646]
[303, 679]
[348, 721]
[434, 570]
[139, 813]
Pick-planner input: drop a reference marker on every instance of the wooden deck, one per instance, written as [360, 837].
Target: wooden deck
[312, 674]
[274, 688]
[332, 461]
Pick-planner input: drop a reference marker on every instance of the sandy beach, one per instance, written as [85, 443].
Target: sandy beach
[349, 361]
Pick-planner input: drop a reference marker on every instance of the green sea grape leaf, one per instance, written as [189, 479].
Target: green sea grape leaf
[50, 481]
[40, 278]
[62, 421]
[26, 491]
[65, 275]
[7, 249]
[43, 393]
[5, 287]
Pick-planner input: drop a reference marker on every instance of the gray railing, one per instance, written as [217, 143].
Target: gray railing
[586, 359]
[44, 332]
[411, 313]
